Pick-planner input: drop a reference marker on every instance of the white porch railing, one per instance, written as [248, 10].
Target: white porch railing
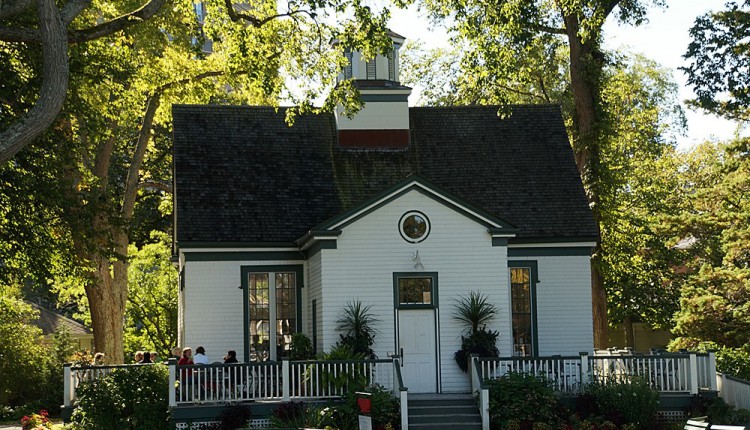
[667, 373]
[280, 381]
[734, 391]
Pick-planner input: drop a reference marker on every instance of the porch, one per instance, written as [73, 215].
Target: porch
[201, 391]
[677, 377]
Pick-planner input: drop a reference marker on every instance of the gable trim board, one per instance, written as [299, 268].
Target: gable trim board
[422, 186]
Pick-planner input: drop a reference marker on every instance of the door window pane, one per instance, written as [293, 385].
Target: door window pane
[415, 291]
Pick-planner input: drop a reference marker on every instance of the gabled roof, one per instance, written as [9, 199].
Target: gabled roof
[243, 175]
[50, 322]
[416, 182]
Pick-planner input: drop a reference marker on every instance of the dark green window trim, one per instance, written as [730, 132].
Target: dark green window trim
[433, 293]
[562, 251]
[533, 280]
[244, 272]
[315, 325]
[244, 256]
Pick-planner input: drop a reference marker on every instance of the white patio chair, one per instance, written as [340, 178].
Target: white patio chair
[696, 423]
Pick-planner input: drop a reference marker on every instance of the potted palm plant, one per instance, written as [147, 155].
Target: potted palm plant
[475, 311]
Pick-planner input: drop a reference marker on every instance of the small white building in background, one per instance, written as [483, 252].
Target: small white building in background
[405, 209]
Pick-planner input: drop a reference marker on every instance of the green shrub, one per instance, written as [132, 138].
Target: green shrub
[482, 342]
[234, 417]
[128, 398]
[718, 411]
[301, 348]
[302, 415]
[523, 399]
[25, 362]
[633, 402]
[349, 381]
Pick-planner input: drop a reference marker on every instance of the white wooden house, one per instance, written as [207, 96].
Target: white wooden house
[405, 209]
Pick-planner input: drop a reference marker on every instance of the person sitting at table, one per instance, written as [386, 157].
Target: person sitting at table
[186, 376]
[200, 356]
[231, 357]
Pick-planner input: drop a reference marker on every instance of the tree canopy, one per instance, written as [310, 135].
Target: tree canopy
[98, 178]
[719, 56]
[508, 37]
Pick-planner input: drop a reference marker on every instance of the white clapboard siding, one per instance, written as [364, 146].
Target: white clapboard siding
[564, 305]
[213, 304]
[371, 249]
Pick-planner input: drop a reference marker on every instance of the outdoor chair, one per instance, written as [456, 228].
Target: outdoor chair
[723, 427]
[696, 423]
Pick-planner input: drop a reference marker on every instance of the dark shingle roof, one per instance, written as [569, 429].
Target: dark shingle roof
[50, 322]
[243, 175]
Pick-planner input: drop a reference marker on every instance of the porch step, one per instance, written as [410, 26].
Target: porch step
[444, 412]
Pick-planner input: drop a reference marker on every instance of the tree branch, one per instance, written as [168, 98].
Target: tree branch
[70, 11]
[254, 20]
[120, 23]
[609, 7]
[54, 84]
[131, 183]
[548, 29]
[156, 185]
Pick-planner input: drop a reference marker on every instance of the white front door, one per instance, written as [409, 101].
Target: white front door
[416, 335]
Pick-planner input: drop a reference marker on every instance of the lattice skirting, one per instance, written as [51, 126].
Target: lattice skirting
[671, 416]
[260, 423]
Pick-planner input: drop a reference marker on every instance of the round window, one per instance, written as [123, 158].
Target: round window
[414, 226]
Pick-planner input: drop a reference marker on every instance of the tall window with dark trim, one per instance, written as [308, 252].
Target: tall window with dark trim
[521, 305]
[391, 66]
[272, 313]
[371, 69]
[348, 67]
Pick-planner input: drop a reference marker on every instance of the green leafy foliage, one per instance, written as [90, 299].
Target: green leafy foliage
[340, 415]
[719, 68]
[521, 397]
[633, 402]
[482, 342]
[474, 311]
[349, 381]
[301, 347]
[25, 363]
[151, 315]
[127, 398]
[357, 329]
[714, 304]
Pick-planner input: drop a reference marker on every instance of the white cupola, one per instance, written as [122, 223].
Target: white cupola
[383, 122]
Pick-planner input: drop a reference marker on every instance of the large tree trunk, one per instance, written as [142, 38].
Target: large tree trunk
[107, 295]
[585, 71]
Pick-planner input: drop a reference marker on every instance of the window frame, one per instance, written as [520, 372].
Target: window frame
[245, 271]
[433, 293]
[533, 280]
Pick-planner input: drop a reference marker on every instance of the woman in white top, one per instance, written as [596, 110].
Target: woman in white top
[200, 356]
